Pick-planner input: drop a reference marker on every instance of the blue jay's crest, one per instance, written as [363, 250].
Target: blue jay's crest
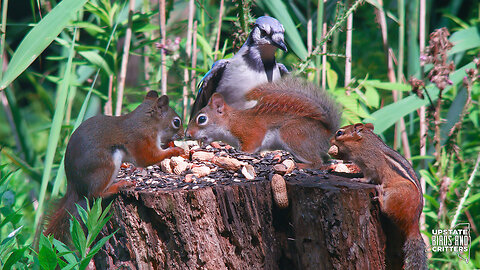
[265, 22]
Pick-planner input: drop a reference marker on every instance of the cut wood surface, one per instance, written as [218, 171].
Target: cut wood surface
[331, 223]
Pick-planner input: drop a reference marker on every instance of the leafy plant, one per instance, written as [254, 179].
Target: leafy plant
[53, 252]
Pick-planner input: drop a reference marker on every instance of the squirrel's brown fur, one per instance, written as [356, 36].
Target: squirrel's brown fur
[99, 145]
[289, 114]
[399, 191]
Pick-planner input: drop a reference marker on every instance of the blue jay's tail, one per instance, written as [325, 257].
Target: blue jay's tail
[296, 95]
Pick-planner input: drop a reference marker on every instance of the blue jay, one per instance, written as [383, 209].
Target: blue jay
[252, 65]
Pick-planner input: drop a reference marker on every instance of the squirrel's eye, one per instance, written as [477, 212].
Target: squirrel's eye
[202, 119]
[339, 133]
[176, 122]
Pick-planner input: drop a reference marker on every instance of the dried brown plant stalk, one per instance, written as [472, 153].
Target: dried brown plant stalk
[194, 61]
[382, 21]
[468, 81]
[124, 65]
[436, 54]
[163, 34]
[188, 51]
[348, 49]
[220, 18]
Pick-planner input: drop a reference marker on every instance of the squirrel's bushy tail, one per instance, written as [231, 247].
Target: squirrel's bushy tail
[59, 221]
[415, 255]
[298, 96]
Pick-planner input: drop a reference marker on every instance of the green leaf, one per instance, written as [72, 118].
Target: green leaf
[204, 45]
[65, 251]
[472, 199]
[99, 218]
[14, 218]
[332, 79]
[44, 241]
[14, 257]
[56, 128]
[465, 39]
[390, 114]
[78, 236]
[23, 134]
[453, 114]
[5, 178]
[388, 85]
[431, 182]
[350, 102]
[432, 201]
[373, 98]
[82, 212]
[11, 235]
[99, 12]
[91, 28]
[84, 262]
[350, 117]
[47, 258]
[94, 58]
[38, 39]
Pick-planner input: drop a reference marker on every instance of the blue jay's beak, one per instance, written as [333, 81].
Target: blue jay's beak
[279, 42]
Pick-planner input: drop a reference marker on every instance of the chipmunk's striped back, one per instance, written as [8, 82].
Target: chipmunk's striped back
[401, 168]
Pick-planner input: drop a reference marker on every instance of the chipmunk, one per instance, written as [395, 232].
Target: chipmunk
[289, 114]
[99, 145]
[399, 191]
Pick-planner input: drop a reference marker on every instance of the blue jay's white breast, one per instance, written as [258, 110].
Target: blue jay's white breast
[238, 79]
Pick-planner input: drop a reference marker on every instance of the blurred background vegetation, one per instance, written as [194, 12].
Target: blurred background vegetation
[65, 61]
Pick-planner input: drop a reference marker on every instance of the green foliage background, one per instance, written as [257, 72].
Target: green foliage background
[61, 58]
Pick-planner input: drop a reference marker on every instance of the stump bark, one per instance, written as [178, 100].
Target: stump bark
[329, 224]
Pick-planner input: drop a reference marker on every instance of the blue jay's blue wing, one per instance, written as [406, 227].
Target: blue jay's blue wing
[208, 86]
[200, 83]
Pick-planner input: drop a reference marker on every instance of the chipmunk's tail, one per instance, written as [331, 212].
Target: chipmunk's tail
[415, 255]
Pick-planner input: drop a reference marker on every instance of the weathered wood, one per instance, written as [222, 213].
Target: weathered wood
[329, 224]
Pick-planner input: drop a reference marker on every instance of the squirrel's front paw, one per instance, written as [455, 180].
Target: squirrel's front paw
[380, 193]
[177, 151]
[123, 184]
[361, 180]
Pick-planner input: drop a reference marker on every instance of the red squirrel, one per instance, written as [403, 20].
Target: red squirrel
[99, 145]
[289, 114]
[399, 191]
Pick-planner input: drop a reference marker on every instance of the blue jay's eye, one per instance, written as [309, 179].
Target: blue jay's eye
[339, 133]
[263, 33]
[202, 119]
[176, 122]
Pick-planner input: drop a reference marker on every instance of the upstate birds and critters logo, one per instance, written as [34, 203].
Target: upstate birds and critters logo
[456, 240]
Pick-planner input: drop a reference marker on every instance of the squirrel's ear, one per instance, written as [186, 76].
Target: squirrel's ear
[162, 102]
[152, 94]
[358, 126]
[217, 102]
[369, 126]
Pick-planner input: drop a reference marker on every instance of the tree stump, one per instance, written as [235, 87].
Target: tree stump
[331, 223]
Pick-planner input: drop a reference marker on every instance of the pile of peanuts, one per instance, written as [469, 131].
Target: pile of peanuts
[200, 163]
